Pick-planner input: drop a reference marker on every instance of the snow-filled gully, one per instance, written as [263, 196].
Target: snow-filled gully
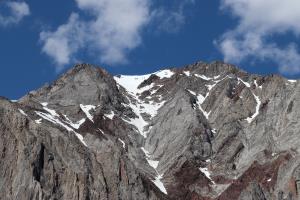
[258, 103]
[131, 83]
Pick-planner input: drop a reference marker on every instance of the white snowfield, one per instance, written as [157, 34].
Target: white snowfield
[150, 108]
[131, 83]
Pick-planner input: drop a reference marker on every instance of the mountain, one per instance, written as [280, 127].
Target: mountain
[201, 132]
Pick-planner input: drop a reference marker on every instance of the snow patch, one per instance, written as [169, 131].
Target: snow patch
[138, 122]
[292, 81]
[245, 83]
[44, 104]
[205, 171]
[111, 115]
[123, 143]
[187, 73]
[269, 179]
[152, 163]
[200, 100]
[256, 85]
[164, 73]
[38, 121]
[202, 77]
[145, 151]
[74, 125]
[86, 109]
[53, 117]
[150, 108]
[154, 91]
[193, 93]
[22, 112]
[258, 103]
[52, 112]
[205, 77]
[101, 131]
[159, 183]
[210, 87]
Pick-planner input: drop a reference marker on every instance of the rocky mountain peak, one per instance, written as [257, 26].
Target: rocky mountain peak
[203, 131]
[83, 84]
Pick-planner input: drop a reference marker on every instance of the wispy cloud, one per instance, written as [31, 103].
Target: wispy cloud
[171, 20]
[16, 12]
[64, 42]
[258, 21]
[113, 30]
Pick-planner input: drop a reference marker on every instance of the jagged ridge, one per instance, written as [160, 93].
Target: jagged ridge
[204, 131]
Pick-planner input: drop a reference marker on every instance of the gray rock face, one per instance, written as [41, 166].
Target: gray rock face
[201, 132]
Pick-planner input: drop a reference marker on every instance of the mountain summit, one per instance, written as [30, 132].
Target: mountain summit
[200, 132]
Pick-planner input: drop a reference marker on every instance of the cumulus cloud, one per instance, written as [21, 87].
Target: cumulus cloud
[114, 28]
[16, 12]
[65, 41]
[109, 29]
[258, 22]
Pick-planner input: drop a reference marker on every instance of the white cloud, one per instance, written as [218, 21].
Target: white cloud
[168, 21]
[113, 30]
[65, 41]
[17, 11]
[258, 21]
[171, 20]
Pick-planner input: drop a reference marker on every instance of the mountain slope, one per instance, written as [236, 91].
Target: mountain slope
[204, 131]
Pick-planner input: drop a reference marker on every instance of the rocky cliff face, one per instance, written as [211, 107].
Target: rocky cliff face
[201, 132]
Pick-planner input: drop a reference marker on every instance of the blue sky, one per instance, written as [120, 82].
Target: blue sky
[42, 39]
